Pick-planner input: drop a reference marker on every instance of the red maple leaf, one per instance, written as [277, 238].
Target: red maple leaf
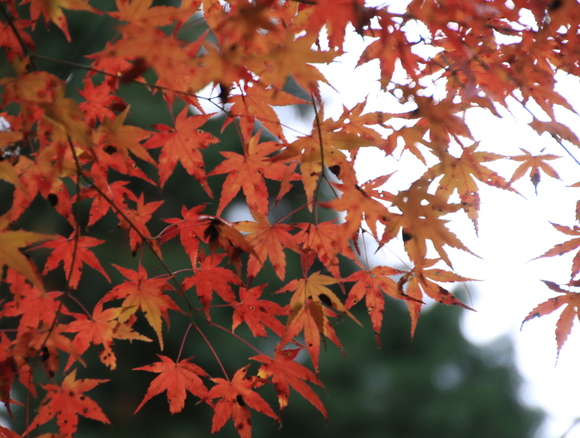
[176, 378]
[184, 144]
[116, 193]
[66, 402]
[257, 313]
[101, 329]
[247, 172]
[235, 396]
[209, 278]
[72, 252]
[137, 228]
[190, 229]
[285, 372]
[34, 306]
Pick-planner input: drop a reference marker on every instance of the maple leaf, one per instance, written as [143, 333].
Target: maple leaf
[33, 305]
[569, 299]
[191, 230]
[209, 278]
[99, 102]
[268, 241]
[72, 252]
[141, 12]
[420, 222]
[67, 119]
[47, 341]
[565, 247]
[256, 102]
[534, 163]
[390, 48]
[324, 146]
[257, 313]
[116, 192]
[176, 378]
[10, 254]
[360, 203]
[222, 233]
[460, 174]
[66, 402]
[145, 294]
[100, 329]
[137, 228]
[307, 312]
[235, 397]
[247, 172]
[285, 372]
[323, 241]
[371, 285]
[184, 144]
[123, 138]
[421, 281]
[293, 56]
[52, 10]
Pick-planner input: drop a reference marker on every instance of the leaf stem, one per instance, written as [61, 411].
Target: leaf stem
[212, 350]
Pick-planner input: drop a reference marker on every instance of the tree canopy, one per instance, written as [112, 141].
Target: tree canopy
[145, 207]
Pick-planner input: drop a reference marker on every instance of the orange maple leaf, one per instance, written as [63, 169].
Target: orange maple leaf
[72, 252]
[533, 164]
[101, 329]
[307, 312]
[145, 294]
[123, 138]
[324, 146]
[235, 397]
[324, 241]
[141, 12]
[420, 221]
[567, 246]
[569, 299]
[459, 174]
[52, 10]
[256, 102]
[268, 241]
[421, 281]
[10, 255]
[285, 372]
[176, 378]
[293, 56]
[362, 203]
[371, 285]
[222, 233]
[67, 401]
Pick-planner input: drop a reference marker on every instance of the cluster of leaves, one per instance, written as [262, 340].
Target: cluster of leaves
[76, 150]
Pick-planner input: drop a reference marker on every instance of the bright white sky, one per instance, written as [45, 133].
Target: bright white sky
[512, 231]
